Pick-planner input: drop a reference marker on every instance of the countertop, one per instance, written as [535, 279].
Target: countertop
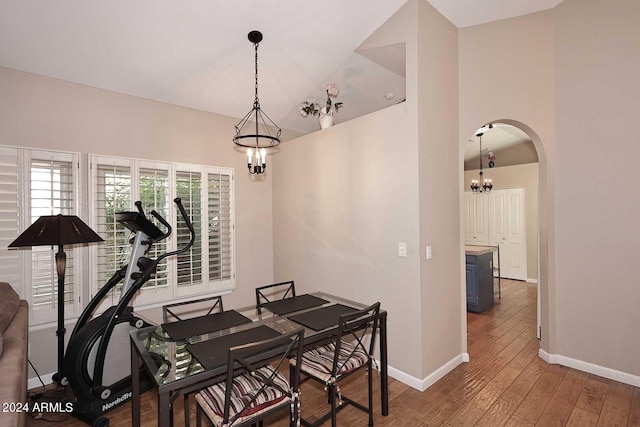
[479, 250]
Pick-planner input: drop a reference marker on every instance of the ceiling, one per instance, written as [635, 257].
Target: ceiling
[502, 138]
[199, 56]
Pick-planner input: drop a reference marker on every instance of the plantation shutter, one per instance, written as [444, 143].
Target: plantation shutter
[189, 264]
[220, 226]
[9, 223]
[112, 193]
[52, 193]
[154, 195]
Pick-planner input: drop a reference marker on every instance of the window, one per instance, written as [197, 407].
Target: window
[220, 226]
[207, 195]
[32, 184]
[189, 189]
[52, 185]
[9, 224]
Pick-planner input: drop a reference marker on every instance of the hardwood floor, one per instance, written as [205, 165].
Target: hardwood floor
[504, 384]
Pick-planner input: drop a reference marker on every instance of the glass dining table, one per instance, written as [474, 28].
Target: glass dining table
[183, 357]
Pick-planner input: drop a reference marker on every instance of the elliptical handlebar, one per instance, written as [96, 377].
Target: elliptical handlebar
[164, 222]
[139, 207]
[185, 216]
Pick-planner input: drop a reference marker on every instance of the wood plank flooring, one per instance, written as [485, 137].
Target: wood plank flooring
[504, 384]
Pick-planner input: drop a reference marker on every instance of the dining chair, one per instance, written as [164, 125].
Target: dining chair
[277, 291]
[254, 388]
[349, 352]
[171, 313]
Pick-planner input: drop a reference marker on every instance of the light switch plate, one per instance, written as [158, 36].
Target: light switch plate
[429, 254]
[402, 249]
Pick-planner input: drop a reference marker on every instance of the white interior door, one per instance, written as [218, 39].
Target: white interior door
[507, 229]
[498, 226]
[476, 219]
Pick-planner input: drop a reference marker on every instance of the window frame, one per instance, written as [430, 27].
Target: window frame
[151, 297]
[48, 313]
[83, 205]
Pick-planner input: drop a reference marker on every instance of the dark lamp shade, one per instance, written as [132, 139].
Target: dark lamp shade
[56, 230]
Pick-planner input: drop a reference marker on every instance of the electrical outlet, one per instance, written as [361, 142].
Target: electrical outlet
[429, 254]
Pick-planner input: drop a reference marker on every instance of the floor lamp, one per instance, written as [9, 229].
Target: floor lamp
[50, 231]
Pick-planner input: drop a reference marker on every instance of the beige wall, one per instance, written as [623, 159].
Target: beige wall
[341, 205]
[597, 54]
[444, 336]
[568, 76]
[524, 176]
[507, 75]
[46, 113]
[344, 197]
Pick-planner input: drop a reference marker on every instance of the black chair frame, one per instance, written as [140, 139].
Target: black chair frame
[262, 299]
[168, 313]
[251, 357]
[354, 326]
[167, 309]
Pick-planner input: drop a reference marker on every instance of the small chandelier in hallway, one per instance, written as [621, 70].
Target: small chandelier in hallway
[256, 131]
[482, 185]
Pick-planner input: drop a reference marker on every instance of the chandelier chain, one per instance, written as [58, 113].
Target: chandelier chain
[256, 102]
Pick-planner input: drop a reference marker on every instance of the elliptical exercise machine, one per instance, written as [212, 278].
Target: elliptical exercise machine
[98, 350]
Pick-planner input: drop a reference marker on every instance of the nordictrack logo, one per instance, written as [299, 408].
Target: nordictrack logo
[124, 397]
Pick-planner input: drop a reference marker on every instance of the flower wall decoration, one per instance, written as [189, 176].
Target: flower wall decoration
[309, 108]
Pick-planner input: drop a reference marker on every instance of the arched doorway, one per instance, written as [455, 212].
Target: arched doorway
[519, 162]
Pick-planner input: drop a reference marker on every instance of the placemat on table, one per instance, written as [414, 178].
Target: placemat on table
[204, 324]
[322, 318]
[215, 352]
[297, 303]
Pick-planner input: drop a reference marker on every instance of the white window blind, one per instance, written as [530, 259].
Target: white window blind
[37, 182]
[154, 195]
[220, 226]
[189, 189]
[207, 195]
[112, 193]
[34, 183]
[9, 224]
[52, 192]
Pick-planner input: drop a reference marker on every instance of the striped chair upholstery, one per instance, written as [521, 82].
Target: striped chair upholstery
[331, 362]
[319, 361]
[254, 386]
[244, 388]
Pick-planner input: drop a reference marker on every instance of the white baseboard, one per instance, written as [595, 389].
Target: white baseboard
[591, 368]
[403, 377]
[443, 370]
[530, 280]
[431, 379]
[34, 383]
